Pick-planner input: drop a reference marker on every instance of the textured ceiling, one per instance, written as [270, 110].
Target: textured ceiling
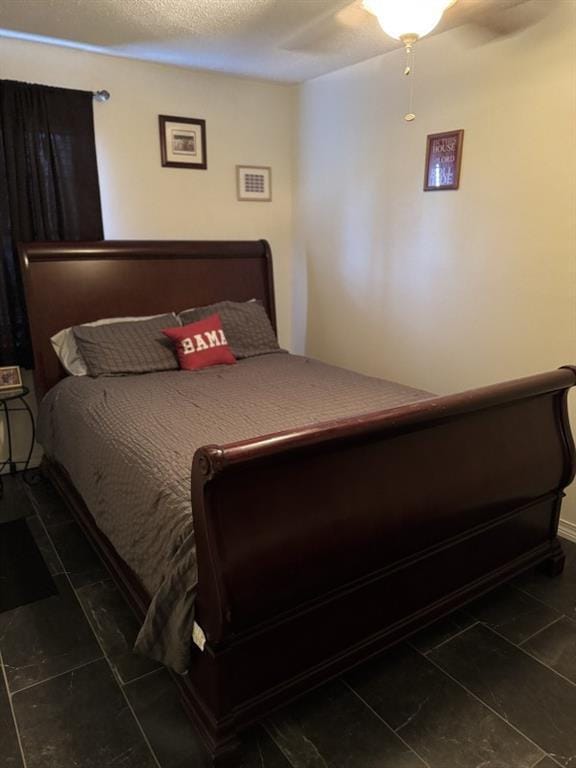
[286, 40]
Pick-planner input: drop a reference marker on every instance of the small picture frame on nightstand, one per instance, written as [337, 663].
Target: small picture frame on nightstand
[10, 378]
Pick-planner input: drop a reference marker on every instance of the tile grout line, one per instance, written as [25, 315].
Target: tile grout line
[11, 705]
[108, 579]
[525, 592]
[374, 712]
[140, 677]
[447, 640]
[544, 628]
[115, 671]
[120, 687]
[534, 658]
[484, 704]
[536, 764]
[268, 729]
[533, 597]
[54, 677]
[64, 522]
[37, 507]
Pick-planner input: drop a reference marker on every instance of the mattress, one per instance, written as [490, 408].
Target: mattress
[127, 443]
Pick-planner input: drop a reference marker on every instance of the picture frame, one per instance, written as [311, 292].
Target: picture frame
[254, 183]
[183, 142]
[443, 160]
[10, 378]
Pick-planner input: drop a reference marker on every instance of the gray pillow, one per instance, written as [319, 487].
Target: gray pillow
[246, 325]
[133, 347]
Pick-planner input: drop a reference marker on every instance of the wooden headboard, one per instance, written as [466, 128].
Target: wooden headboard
[71, 283]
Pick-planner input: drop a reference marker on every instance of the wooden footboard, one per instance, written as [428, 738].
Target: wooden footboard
[319, 547]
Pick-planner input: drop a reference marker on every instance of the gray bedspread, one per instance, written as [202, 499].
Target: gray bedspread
[127, 443]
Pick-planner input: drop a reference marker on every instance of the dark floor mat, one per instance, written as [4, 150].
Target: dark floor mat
[24, 577]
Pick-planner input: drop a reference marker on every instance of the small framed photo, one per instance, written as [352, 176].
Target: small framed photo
[443, 161]
[254, 182]
[183, 142]
[10, 378]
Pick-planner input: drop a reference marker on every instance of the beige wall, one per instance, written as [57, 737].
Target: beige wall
[444, 290]
[248, 122]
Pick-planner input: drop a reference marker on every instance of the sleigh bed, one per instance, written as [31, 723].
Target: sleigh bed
[320, 545]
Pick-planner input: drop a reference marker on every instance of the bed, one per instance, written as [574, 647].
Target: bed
[320, 543]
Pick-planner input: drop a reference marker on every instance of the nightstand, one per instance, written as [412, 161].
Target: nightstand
[7, 396]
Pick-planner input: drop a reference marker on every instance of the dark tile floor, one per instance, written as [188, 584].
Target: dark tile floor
[492, 686]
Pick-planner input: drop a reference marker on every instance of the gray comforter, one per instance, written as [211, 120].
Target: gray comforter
[127, 443]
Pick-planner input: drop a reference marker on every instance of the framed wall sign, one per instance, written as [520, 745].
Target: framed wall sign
[10, 378]
[254, 182]
[183, 142]
[443, 160]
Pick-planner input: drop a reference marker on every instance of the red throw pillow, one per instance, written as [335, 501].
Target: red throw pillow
[201, 344]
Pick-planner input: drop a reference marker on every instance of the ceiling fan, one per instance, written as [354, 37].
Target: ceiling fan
[382, 22]
[485, 19]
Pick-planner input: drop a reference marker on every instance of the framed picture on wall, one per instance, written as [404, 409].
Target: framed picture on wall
[443, 160]
[183, 142]
[254, 182]
[10, 378]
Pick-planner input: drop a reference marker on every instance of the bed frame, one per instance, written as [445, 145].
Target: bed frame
[319, 547]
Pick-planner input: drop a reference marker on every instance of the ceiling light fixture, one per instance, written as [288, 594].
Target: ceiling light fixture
[408, 21]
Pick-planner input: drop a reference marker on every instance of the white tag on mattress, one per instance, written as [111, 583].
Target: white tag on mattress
[198, 636]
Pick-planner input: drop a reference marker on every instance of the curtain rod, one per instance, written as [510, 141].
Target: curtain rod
[101, 95]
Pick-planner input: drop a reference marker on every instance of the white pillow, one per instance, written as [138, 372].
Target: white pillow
[64, 344]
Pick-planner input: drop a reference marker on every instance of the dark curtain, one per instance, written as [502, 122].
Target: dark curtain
[48, 190]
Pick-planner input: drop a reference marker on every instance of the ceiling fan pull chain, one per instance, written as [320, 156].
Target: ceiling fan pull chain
[408, 67]
[409, 72]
